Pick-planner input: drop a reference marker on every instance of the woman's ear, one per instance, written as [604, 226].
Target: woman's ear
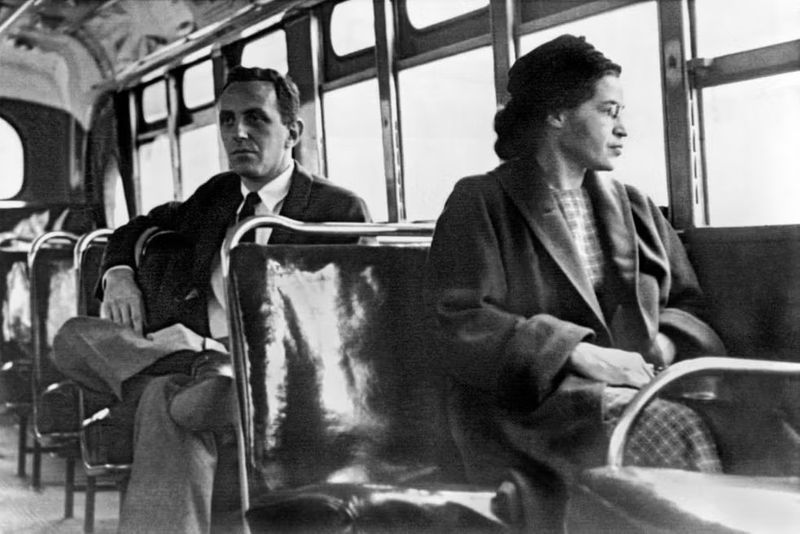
[556, 119]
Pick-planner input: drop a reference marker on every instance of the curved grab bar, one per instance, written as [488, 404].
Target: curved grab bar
[235, 234]
[86, 240]
[81, 248]
[43, 239]
[680, 370]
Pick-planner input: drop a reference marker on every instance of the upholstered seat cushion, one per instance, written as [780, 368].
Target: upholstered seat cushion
[633, 499]
[333, 508]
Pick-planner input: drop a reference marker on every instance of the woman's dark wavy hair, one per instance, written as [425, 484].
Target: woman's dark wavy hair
[560, 74]
[285, 89]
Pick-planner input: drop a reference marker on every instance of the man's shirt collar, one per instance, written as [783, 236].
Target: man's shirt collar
[273, 193]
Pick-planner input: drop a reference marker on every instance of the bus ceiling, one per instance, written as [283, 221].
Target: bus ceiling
[88, 46]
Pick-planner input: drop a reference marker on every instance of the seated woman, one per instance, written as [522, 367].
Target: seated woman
[559, 292]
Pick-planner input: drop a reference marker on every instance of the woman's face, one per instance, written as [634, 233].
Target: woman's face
[593, 132]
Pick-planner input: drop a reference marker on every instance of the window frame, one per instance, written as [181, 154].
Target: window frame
[180, 119]
[399, 45]
[714, 71]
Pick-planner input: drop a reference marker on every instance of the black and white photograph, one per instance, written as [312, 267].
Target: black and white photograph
[399, 266]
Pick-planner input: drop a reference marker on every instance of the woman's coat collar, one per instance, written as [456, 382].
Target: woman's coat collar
[522, 181]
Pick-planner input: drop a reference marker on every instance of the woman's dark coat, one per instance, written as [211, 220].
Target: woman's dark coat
[512, 301]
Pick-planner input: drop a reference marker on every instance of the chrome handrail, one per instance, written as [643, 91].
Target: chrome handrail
[87, 240]
[81, 248]
[678, 371]
[39, 243]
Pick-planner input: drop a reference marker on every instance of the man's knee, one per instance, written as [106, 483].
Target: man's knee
[69, 341]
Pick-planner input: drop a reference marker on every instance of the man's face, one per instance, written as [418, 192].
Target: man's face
[258, 144]
[594, 131]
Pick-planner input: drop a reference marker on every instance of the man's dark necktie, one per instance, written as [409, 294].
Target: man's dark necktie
[248, 210]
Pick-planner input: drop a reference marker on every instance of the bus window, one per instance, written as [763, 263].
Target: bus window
[198, 85]
[447, 108]
[726, 26]
[155, 170]
[12, 156]
[353, 145]
[268, 51]
[352, 27]
[424, 13]
[752, 161]
[643, 162]
[200, 157]
[154, 102]
[120, 208]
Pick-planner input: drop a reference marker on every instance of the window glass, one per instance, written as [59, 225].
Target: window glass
[726, 26]
[155, 171]
[352, 27]
[423, 13]
[752, 160]
[121, 215]
[448, 110]
[353, 143]
[12, 156]
[268, 51]
[154, 101]
[199, 157]
[198, 85]
[636, 49]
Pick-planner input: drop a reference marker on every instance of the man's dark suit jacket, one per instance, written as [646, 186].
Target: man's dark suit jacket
[202, 221]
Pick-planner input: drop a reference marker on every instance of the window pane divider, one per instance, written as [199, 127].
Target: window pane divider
[390, 121]
[747, 65]
[444, 51]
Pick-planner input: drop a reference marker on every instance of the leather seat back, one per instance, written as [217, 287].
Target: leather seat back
[343, 385]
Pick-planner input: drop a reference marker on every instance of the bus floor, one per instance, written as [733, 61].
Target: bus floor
[26, 511]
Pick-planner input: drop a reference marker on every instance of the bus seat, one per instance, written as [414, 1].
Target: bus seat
[759, 490]
[337, 338]
[751, 285]
[53, 301]
[54, 397]
[340, 393]
[98, 441]
[15, 345]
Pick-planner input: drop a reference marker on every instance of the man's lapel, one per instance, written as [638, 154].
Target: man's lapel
[615, 226]
[295, 204]
[214, 223]
[532, 197]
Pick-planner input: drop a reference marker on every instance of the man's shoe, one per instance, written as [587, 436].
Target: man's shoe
[208, 401]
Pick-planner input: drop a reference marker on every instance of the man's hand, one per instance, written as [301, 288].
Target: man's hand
[122, 300]
[612, 366]
[177, 337]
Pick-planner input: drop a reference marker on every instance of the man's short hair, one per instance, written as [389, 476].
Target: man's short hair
[285, 89]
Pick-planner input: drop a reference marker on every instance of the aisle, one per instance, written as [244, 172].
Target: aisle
[24, 511]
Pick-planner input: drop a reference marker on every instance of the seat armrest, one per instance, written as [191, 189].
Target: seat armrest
[684, 371]
[643, 499]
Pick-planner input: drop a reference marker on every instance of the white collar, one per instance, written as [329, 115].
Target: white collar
[274, 191]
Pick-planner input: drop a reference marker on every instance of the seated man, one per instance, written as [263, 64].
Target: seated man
[178, 377]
